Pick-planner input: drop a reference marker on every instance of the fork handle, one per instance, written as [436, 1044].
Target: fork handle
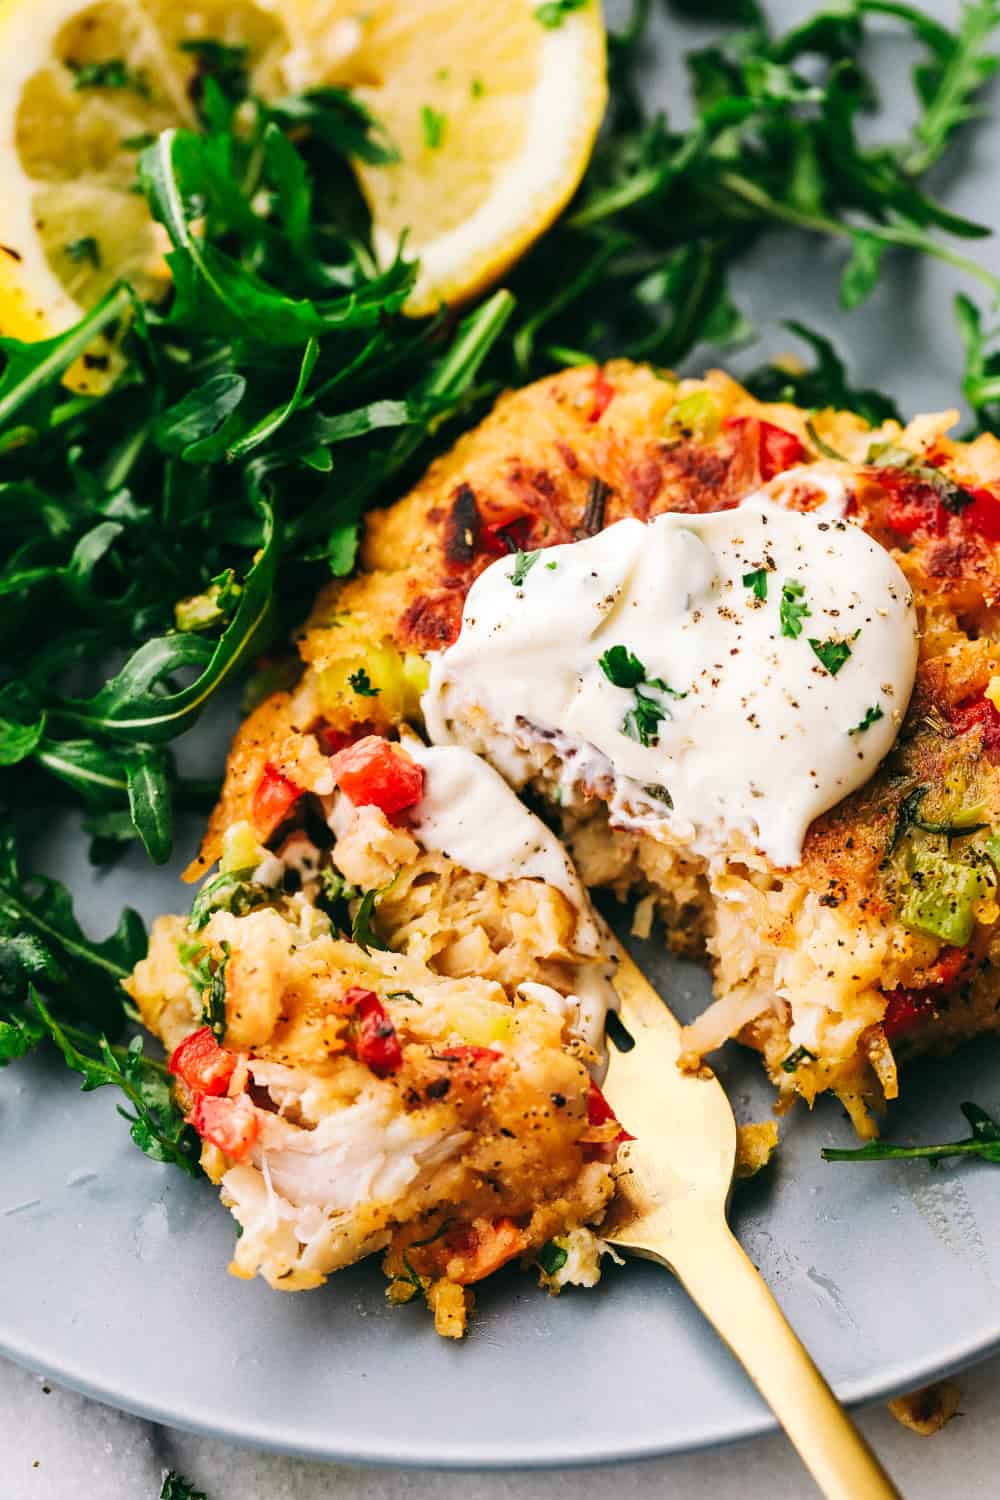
[730, 1291]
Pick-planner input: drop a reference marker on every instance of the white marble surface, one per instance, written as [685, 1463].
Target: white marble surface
[58, 1446]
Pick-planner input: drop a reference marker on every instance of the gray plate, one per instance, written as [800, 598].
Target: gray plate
[113, 1268]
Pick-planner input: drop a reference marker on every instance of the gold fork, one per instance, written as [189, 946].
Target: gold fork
[673, 1186]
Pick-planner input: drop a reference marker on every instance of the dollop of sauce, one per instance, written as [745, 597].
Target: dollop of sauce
[741, 671]
[470, 814]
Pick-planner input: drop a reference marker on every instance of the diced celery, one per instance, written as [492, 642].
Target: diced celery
[416, 676]
[240, 849]
[698, 416]
[943, 898]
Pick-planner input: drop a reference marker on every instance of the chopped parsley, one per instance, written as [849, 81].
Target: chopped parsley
[795, 1059]
[432, 123]
[794, 608]
[551, 566]
[109, 73]
[362, 684]
[86, 248]
[554, 12]
[477, 88]
[642, 722]
[621, 667]
[872, 716]
[523, 563]
[757, 583]
[833, 654]
[552, 1257]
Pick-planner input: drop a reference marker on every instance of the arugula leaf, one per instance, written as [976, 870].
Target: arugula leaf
[214, 1010]
[176, 1488]
[233, 890]
[793, 608]
[984, 1142]
[156, 1124]
[40, 939]
[824, 385]
[362, 931]
[22, 723]
[149, 801]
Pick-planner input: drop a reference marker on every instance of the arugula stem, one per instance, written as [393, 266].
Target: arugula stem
[66, 349]
[892, 234]
[903, 1153]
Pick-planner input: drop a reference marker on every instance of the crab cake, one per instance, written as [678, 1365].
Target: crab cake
[853, 921]
[383, 1012]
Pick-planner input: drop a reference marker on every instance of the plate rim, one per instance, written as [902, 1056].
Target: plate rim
[856, 1394]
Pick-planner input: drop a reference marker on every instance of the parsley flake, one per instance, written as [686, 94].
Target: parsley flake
[552, 1257]
[433, 123]
[757, 583]
[477, 88]
[872, 716]
[109, 73]
[83, 249]
[554, 12]
[831, 653]
[523, 563]
[794, 608]
[621, 667]
[795, 1059]
[362, 684]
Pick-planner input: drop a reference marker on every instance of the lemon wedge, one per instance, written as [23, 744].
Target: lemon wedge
[493, 109]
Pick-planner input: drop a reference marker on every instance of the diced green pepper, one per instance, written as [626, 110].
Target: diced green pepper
[943, 898]
[696, 416]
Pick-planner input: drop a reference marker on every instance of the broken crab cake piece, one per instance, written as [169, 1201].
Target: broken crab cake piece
[382, 1015]
[850, 911]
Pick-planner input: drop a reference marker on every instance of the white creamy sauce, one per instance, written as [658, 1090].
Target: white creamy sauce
[748, 730]
[470, 814]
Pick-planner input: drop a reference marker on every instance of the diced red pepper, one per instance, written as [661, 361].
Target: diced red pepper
[507, 532]
[479, 1249]
[604, 393]
[468, 1052]
[777, 449]
[977, 713]
[907, 1009]
[332, 740]
[202, 1064]
[230, 1124]
[599, 1112]
[273, 800]
[374, 773]
[376, 1043]
[983, 515]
